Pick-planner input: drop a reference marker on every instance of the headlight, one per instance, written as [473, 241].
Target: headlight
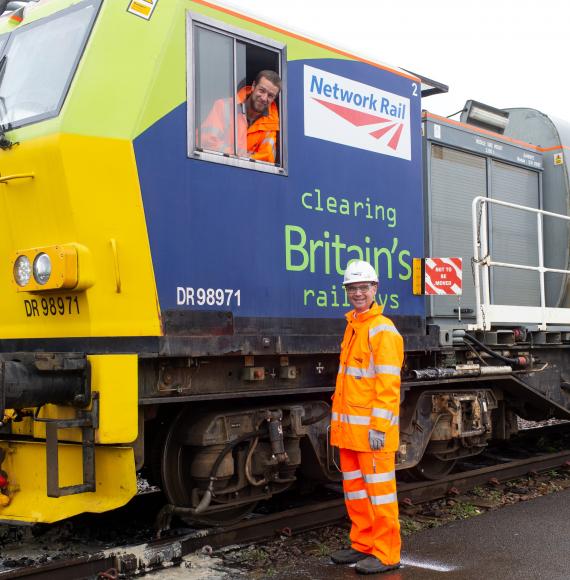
[42, 268]
[46, 268]
[22, 270]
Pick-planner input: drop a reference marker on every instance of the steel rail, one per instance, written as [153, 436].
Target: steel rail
[131, 560]
[430, 490]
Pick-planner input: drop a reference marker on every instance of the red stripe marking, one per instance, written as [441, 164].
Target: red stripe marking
[393, 143]
[479, 130]
[357, 118]
[498, 136]
[379, 132]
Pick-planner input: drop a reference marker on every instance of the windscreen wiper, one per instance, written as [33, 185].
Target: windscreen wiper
[3, 63]
[5, 143]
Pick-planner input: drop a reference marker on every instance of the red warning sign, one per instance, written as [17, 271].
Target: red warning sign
[443, 276]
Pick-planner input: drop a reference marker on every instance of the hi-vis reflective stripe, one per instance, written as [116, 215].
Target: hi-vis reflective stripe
[380, 477]
[387, 370]
[383, 499]
[352, 419]
[348, 475]
[381, 328]
[359, 372]
[227, 112]
[360, 420]
[382, 413]
[360, 494]
[371, 371]
[270, 140]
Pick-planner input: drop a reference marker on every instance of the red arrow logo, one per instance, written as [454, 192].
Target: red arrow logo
[361, 119]
[357, 118]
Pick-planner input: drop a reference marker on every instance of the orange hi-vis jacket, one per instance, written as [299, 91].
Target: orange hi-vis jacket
[258, 141]
[367, 394]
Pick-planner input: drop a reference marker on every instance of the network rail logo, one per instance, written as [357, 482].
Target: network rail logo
[344, 111]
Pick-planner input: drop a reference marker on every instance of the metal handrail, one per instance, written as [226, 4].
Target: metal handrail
[482, 259]
[7, 178]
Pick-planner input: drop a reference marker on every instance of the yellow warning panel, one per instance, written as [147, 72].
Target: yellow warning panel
[417, 278]
[558, 159]
[26, 470]
[142, 8]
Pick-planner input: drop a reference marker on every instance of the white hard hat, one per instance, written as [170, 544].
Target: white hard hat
[359, 271]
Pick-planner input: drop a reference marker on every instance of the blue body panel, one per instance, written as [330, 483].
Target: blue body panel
[221, 227]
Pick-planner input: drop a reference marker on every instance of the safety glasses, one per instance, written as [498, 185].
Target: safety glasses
[358, 288]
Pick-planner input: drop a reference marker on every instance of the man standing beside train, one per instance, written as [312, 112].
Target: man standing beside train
[365, 425]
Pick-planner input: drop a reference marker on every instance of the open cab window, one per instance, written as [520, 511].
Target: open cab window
[223, 63]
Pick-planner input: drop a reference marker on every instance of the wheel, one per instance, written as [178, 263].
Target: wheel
[177, 481]
[429, 468]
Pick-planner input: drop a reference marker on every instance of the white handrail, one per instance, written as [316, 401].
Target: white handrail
[488, 313]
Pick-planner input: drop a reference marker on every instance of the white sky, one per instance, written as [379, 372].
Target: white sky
[506, 53]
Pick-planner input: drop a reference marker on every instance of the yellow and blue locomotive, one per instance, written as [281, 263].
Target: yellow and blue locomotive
[176, 308]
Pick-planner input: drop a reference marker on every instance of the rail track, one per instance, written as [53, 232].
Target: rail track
[130, 560]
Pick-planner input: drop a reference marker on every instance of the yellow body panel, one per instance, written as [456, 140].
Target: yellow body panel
[25, 465]
[84, 191]
[116, 379]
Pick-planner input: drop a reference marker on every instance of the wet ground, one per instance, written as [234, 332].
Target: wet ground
[526, 540]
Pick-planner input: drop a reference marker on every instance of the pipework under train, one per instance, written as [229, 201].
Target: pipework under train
[176, 309]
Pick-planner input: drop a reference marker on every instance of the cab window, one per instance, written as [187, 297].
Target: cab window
[236, 97]
[38, 62]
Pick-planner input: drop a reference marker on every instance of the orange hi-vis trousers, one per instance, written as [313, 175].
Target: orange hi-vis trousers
[369, 482]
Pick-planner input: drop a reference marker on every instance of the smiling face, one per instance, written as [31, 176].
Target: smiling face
[361, 295]
[263, 94]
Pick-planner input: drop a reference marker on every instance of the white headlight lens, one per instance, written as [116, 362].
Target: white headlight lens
[42, 268]
[22, 270]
